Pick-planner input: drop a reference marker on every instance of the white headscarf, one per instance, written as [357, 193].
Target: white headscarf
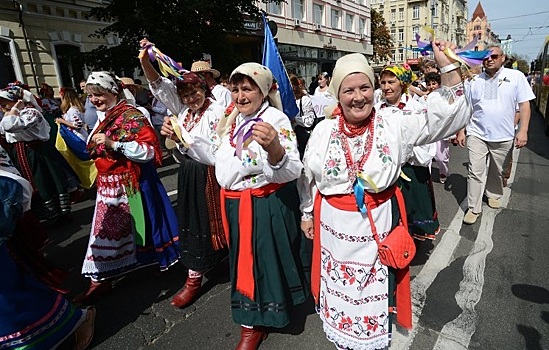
[111, 83]
[348, 64]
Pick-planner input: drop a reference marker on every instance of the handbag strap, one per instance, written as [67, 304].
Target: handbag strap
[401, 208]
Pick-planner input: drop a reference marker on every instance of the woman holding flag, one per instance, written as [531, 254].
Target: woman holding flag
[257, 165]
[198, 204]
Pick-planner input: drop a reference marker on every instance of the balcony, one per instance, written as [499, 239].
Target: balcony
[410, 1]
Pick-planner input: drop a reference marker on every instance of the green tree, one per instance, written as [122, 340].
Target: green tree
[381, 38]
[182, 29]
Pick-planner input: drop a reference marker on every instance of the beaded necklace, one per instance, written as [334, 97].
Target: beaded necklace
[192, 120]
[353, 168]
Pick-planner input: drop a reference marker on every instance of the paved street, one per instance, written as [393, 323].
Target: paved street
[484, 286]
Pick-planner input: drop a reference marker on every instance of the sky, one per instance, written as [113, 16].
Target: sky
[527, 21]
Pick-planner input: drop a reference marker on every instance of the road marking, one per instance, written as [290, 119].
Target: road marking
[457, 333]
[439, 259]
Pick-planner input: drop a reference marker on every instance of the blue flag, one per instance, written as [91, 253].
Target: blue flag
[272, 60]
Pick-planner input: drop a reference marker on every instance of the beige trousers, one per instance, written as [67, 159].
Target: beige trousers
[481, 155]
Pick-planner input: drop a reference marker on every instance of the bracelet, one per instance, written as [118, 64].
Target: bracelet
[15, 109]
[450, 67]
[306, 216]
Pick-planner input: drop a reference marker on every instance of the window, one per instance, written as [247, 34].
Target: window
[298, 9]
[401, 14]
[393, 35]
[415, 12]
[479, 36]
[318, 14]
[401, 35]
[393, 16]
[274, 8]
[435, 10]
[400, 55]
[361, 25]
[415, 29]
[7, 72]
[349, 23]
[71, 73]
[335, 19]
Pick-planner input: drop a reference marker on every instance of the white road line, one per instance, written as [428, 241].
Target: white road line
[440, 258]
[457, 333]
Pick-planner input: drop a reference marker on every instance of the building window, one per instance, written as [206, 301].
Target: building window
[393, 16]
[70, 73]
[318, 14]
[361, 25]
[401, 35]
[349, 23]
[274, 8]
[335, 19]
[7, 72]
[393, 35]
[401, 14]
[479, 36]
[415, 12]
[298, 9]
[435, 10]
[415, 29]
[400, 55]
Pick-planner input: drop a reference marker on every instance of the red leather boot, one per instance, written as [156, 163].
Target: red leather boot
[189, 293]
[251, 338]
[95, 290]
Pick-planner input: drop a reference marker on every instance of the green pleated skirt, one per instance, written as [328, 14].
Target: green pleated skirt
[281, 259]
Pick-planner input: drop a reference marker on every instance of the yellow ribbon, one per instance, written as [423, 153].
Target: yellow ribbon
[404, 177]
[181, 134]
[369, 180]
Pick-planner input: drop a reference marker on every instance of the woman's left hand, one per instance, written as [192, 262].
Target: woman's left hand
[101, 138]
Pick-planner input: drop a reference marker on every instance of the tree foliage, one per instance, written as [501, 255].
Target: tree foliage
[381, 38]
[182, 29]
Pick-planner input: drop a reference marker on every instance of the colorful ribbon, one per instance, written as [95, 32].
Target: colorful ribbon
[359, 189]
[166, 64]
[243, 136]
[466, 55]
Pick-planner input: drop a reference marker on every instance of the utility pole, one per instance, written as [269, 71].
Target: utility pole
[24, 30]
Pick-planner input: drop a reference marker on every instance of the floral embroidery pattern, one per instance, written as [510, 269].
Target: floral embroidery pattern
[332, 166]
[249, 159]
[384, 152]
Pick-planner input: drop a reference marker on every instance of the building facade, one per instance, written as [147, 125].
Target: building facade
[480, 28]
[313, 34]
[405, 18]
[37, 37]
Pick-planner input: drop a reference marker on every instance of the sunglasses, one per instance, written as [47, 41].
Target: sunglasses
[493, 57]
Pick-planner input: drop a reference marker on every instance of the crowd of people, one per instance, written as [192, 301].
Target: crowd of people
[351, 170]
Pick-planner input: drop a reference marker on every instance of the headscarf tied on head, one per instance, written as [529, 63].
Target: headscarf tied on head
[19, 91]
[263, 77]
[106, 80]
[403, 73]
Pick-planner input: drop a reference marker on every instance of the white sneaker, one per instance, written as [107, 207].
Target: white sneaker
[470, 217]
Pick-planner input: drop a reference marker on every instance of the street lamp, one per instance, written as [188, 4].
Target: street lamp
[19, 8]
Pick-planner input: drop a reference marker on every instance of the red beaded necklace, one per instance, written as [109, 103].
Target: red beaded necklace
[354, 167]
[192, 119]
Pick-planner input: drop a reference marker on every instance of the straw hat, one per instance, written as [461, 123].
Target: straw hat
[127, 81]
[203, 66]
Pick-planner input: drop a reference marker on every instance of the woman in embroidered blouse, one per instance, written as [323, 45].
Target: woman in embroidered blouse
[305, 120]
[134, 224]
[351, 163]
[415, 183]
[27, 134]
[198, 204]
[73, 110]
[257, 162]
[323, 85]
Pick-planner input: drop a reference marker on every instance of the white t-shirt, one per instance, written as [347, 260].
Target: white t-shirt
[494, 102]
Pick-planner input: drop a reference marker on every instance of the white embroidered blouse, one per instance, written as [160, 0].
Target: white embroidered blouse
[395, 133]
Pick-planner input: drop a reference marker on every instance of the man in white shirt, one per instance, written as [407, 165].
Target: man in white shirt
[222, 94]
[494, 95]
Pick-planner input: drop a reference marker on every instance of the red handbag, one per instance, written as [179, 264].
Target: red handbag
[397, 249]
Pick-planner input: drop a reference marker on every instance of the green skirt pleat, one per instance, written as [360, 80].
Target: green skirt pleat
[281, 259]
[420, 200]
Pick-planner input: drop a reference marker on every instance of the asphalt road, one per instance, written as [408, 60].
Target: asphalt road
[484, 286]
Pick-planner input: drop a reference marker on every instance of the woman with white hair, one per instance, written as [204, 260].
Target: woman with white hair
[350, 202]
[134, 224]
[257, 165]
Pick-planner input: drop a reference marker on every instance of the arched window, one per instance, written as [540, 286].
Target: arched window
[7, 72]
[70, 73]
